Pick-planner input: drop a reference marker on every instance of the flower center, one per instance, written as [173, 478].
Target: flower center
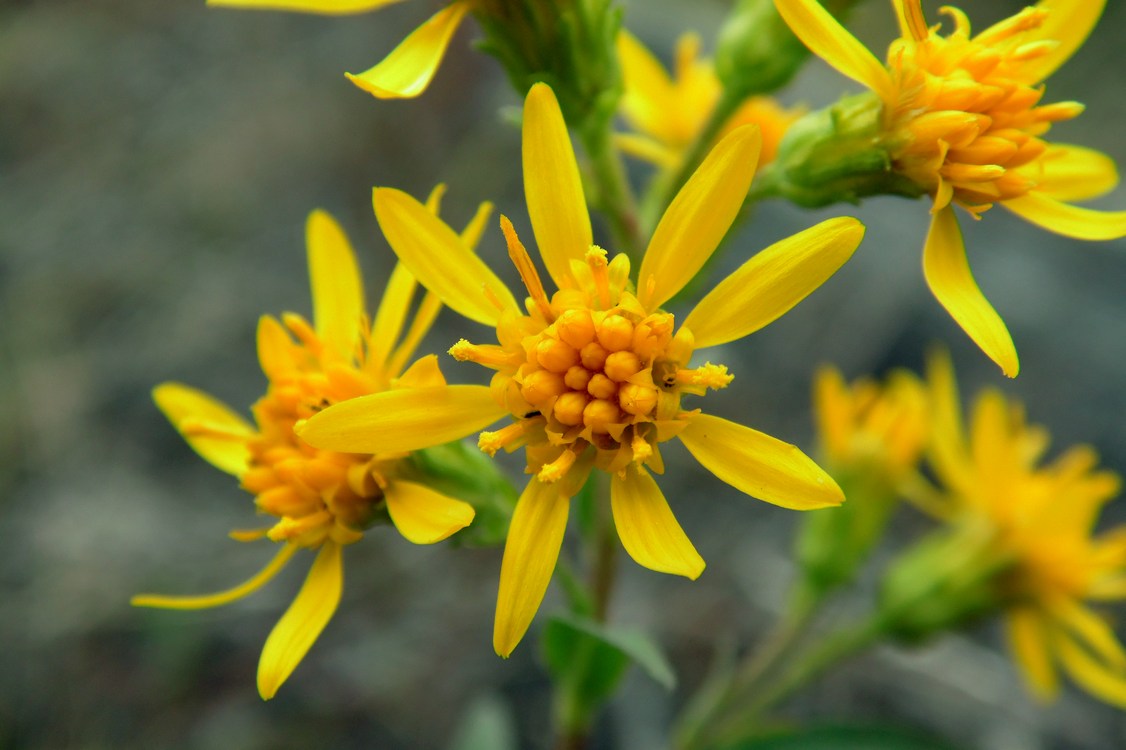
[965, 111]
[590, 368]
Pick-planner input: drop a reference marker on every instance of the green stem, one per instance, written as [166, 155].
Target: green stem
[613, 195]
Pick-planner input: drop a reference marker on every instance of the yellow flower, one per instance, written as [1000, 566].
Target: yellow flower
[668, 113]
[593, 375]
[407, 71]
[1040, 519]
[869, 426]
[321, 499]
[963, 119]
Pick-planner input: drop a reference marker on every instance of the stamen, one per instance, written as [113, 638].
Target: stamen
[491, 442]
[558, 468]
[289, 528]
[911, 18]
[303, 331]
[638, 400]
[489, 355]
[707, 376]
[247, 535]
[527, 270]
[615, 333]
[640, 447]
[600, 414]
[596, 259]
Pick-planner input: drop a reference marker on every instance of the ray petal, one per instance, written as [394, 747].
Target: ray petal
[248, 587]
[402, 420]
[948, 274]
[699, 216]
[209, 426]
[1073, 173]
[423, 515]
[1030, 648]
[306, 617]
[830, 41]
[648, 530]
[338, 293]
[1094, 676]
[1069, 22]
[530, 554]
[1068, 220]
[759, 465]
[438, 257]
[323, 7]
[772, 282]
[408, 70]
[553, 186]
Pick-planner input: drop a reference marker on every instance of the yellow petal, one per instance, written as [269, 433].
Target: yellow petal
[647, 149]
[212, 430]
[424, 373]
[530, 554]
[648, 90]
[1094, 676]
[949, 452]
[406, 72]
[1073, 173]
[833, 411]
[392, 312]
[424, 516]
[647, 527]
[402, 420]
[759, 465]
[949, 277]
[247, 588]
[1029, 645]
[553, 187]
[324, 7]
[772, 282]
[439, 259]
[306, 617]
[1070, 22]
[1068, 220]
[699, 216]
[338, 293]
[275, 348]
[1089, 627]
[830, 41]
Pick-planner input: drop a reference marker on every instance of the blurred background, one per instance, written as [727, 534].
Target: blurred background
[157, 163]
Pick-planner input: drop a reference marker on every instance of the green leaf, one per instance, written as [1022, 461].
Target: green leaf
[842, 738]
[588, 667]
[633, 644]
[488, 724]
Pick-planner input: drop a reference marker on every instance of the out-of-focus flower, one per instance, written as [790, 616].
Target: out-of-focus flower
[593, 376]
[321, 499]
[407, 71]
[962, 120]
[668, 113]
[1030, 526]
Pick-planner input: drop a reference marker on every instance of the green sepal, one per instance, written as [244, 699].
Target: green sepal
[464, 472]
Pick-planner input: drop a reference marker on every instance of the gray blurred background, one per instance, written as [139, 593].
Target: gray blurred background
[157, 163]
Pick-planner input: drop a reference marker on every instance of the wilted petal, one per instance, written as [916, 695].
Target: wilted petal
[948, 275]
[698, 218]
[647, 527]
[772, 282]
[306, 617]
[402, 420]
[407, 71]
[759, 465]
[246, 588]
[212, 430]
[530, 554]
[830, 41]
[338, 293]
[424, 516]
[1068, 220]
[439, 259]
[553, 186]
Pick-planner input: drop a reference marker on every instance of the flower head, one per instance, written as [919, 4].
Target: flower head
[408, 70]
[963, 119]
[593, 375]
[668, 113]
[320, 499]
[1038, 520]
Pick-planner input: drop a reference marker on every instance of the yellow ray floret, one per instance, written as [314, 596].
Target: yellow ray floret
[593, 374]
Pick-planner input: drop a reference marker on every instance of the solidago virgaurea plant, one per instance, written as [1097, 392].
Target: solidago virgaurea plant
[321, 499]
[593, 376]
[957, 117]
[1019, 539]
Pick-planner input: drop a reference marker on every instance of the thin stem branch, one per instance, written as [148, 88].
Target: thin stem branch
[614, 196]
